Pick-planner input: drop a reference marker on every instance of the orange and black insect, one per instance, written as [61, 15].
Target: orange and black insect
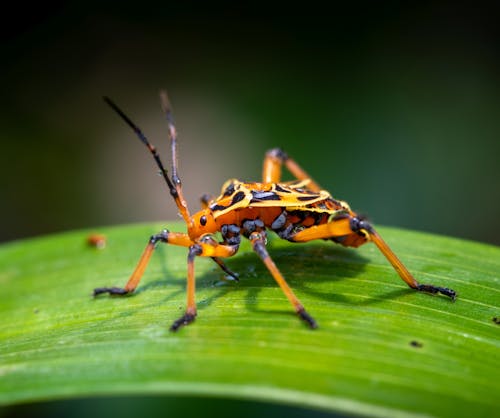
[298, 211]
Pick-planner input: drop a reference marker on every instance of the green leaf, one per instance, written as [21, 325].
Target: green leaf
[382, 349]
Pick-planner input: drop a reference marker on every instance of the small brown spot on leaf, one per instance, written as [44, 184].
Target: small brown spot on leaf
[96, 241]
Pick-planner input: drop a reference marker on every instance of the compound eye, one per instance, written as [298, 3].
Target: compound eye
[203, 220]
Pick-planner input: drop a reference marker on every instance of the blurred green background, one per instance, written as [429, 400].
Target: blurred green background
[391, 106]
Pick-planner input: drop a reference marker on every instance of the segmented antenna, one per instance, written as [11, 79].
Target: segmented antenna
[144, 140]
[172, 132]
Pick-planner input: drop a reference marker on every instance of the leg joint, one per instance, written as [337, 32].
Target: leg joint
[174, 193]
[162, 236]
[358, 224]
[176, 180]
[259, 244]
[249, 226]
[277, 153]
[231, 234]
[194, 251]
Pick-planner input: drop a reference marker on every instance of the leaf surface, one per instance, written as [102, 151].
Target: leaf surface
[381, 349]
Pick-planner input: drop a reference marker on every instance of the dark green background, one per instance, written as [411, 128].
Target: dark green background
[392, 107]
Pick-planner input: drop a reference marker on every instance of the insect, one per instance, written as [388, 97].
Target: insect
[297, 211]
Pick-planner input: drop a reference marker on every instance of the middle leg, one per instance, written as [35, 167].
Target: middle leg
[205, 247]
[258, 240]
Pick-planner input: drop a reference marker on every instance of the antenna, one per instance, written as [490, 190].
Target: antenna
[174, 190]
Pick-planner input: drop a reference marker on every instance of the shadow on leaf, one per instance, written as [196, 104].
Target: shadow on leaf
[312, 269]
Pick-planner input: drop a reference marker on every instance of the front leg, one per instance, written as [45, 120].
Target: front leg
[206, 246]
[164, 236]
[190, 314]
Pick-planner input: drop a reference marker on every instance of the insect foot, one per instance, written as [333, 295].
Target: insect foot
[110, 290]
[186, 319]
[308, 318]
[436, 289]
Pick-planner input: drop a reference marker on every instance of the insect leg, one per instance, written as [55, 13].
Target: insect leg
[345, 226]
[336, 228]
[190, 313]
[206, 247]
[258, 240]
[403, 271]
[164, 236]
[271, 172]
[359, 225]
[225, 268]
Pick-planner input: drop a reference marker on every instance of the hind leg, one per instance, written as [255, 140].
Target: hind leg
[274, 160]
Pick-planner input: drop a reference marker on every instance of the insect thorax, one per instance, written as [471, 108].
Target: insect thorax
[280, 206]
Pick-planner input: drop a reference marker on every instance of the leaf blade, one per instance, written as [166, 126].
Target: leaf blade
[246, 341]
